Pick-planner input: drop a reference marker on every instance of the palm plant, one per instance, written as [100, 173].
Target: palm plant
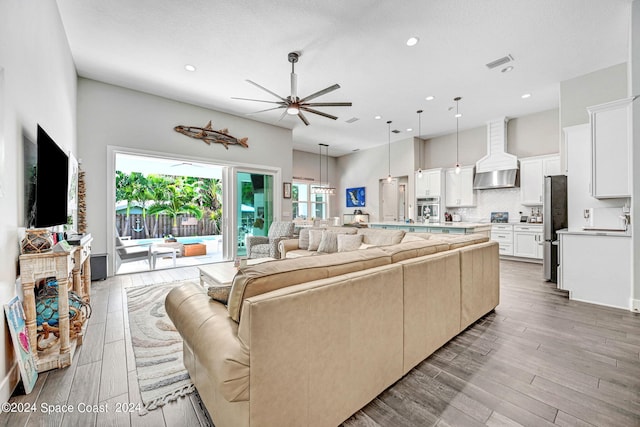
[179, 199]
[124, 192]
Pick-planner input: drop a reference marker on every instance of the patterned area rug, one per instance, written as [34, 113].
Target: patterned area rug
[157, 346]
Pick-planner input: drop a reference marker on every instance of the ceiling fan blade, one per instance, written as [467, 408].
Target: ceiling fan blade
[267, 90]
[268, 109]
[327, 104]
[321, 92]
[320, 113]
[303, 118]
[283, 115]
[256, 100]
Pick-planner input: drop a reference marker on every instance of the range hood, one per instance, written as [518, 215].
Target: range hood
[498, 169]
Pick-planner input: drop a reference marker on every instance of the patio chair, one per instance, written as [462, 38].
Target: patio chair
[261, 246]
[129, 251]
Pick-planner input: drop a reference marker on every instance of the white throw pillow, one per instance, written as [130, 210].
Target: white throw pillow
[315, 237]
[349, 242]
[329, 242]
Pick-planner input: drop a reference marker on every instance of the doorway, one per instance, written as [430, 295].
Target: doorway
[168, 213]
[394, 198]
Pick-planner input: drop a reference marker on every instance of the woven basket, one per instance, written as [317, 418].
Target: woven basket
[36, 241]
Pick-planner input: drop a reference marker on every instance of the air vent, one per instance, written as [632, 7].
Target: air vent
[499, 62]
[395, 131]
[352, 119]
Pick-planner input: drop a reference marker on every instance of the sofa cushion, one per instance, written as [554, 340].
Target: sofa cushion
[413, 238]
[261, 278]
[460, 240]
[407, 250]
[303, 238]
[349, 242]
[381, 237]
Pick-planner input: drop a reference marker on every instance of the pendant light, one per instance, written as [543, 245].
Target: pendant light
[389, 157]
[323, 189]
[419, 144]
[458, 115]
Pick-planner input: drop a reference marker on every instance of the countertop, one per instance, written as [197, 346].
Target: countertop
[596, 232]
[435, 224]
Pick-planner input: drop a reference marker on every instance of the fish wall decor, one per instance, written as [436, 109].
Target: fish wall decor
[208, 135]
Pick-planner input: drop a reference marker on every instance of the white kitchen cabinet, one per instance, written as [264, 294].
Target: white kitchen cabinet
[430, 185]
[611, 141]
[503, 234]
[459, 190]
[532, 173]
[527, 241]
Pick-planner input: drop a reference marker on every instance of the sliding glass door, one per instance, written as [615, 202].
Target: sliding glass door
[254, 208]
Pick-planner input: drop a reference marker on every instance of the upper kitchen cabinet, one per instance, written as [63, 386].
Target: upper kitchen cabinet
[430, 184]
[459, 190]
[532, 173]
[611, 142]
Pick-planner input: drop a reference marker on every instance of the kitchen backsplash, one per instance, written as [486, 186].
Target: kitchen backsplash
[497, 200]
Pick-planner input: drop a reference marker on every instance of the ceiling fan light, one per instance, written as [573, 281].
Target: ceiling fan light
[293, 110]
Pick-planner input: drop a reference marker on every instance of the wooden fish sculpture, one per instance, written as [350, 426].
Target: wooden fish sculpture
[208, 135]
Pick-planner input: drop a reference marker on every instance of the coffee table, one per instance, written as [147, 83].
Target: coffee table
[222, 273]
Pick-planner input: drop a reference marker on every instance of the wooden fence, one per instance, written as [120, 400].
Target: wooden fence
[162, 226]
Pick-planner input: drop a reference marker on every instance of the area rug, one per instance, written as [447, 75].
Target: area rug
[157, 346]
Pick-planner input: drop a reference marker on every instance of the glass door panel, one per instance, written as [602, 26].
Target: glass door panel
[254, 211]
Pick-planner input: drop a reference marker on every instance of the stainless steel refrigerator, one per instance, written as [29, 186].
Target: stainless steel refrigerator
[554, 218]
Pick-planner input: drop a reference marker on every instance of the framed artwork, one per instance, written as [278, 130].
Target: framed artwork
[20, 338]
[356, 197]
[286, 190]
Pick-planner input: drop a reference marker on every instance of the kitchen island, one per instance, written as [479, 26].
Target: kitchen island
[436, 227]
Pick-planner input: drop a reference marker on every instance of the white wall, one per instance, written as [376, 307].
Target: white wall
[634, 88]
[366, 168]
[114, 116]
[37, 85]
[531, 135]
[306, 167]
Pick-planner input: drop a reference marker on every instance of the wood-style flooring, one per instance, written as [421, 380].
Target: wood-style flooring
[538, 360]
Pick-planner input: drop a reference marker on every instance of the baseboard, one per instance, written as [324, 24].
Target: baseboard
[9, 383]
[635, 305]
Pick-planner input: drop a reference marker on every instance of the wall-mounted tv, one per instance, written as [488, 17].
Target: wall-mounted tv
[52, 176]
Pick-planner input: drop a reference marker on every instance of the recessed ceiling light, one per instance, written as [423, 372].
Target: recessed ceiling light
[507, 69]
[190, 67]
[409, 129]
[377, 117]
[526, 95]
[430, 98]
[413, 41]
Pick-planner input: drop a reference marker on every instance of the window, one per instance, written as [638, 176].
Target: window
[306, 205]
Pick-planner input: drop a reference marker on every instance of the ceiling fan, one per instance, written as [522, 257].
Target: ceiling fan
[292, 104]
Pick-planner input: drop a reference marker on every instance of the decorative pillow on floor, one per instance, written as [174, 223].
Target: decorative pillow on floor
[219, 293]
[349, 242]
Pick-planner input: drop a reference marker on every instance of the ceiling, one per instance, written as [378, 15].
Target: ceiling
[360, 44]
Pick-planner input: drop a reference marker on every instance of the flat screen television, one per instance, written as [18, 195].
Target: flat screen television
[52, 176]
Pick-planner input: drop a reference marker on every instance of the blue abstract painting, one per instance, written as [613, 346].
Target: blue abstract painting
[355, 197]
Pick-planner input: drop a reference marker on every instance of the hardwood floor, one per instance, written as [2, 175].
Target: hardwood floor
[538, 360]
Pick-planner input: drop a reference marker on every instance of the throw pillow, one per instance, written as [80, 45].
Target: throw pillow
[329, 242]
[219, 293]
[303, 239]
[349, 242]
[315, 236]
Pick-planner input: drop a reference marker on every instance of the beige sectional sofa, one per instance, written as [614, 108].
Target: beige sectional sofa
[309, 341]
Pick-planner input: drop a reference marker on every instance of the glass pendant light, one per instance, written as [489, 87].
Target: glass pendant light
[323, 189]
[419, 144]
[389, 157]
[458, 115]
